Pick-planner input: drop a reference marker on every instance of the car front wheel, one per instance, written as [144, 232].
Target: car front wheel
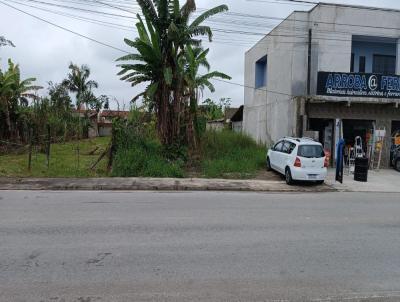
[288, 177]
[268, 165]
[397, 164]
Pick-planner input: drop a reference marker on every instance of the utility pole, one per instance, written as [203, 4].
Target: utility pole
[309, 62]
[306, 101]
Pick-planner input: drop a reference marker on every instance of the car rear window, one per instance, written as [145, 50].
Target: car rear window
[311, 151]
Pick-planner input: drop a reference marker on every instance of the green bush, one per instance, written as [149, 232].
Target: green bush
[228, 154]
[140, 154]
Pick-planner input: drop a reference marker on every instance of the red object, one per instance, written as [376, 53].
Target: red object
[297, 162]
[328, 155]
[326, 162]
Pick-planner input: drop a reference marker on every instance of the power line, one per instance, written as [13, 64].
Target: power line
[247, 86]
[221, 30]
[64, 28]
[229, 31]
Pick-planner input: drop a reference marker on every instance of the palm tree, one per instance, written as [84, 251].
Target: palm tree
[161, 44]
[78, 82]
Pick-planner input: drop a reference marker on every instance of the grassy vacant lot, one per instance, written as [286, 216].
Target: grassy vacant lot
[63, 161]
[223, 155]
[230, 155]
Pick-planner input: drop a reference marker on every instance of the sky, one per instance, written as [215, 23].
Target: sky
[44, 51]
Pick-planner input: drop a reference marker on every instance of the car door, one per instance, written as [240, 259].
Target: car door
[286, 155]
[274, 156]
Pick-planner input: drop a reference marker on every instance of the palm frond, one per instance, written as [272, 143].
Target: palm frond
[201, 31]
[131, 57]
[207, 14]
[149, 11]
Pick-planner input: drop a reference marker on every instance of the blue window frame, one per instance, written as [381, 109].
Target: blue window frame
[261, 72]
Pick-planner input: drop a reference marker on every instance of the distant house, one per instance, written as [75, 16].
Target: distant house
[215, 125]
[106, 117]
[237, 120]
[232, 120]
[92, 115]
[100, 123]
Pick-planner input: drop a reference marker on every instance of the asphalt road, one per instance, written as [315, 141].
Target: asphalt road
[202, 246]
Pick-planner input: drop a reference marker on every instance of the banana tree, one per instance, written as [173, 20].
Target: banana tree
[163, 37]
[195, 84]
[15, 93]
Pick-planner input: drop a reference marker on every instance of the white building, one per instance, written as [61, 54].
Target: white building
[331, 70]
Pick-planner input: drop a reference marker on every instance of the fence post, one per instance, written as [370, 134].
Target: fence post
[112, 149]
[30, 150]
[48, 146]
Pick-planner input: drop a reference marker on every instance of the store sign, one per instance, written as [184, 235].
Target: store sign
[358, 85]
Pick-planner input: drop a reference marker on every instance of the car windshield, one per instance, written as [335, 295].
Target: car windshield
[311, 151]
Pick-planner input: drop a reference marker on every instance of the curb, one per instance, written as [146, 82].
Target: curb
[154, 184]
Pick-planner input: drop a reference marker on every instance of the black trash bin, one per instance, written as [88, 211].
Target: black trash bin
[361, 169]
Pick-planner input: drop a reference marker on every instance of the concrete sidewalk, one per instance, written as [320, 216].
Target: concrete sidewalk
[154, 184]
[385, 180]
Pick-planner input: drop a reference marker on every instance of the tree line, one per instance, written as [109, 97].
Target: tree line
[168, 57]
[23, 111]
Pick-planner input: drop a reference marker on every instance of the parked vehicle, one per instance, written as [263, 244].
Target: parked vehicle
[395, 157]
[298, 159]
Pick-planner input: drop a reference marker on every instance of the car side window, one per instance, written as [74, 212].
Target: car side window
[292, 146]
[285, 148]
[288, 147]
[278, 146]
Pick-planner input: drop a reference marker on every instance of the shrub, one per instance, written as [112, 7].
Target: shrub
[140, 154]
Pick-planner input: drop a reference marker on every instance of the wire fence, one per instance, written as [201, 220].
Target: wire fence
[38, 145]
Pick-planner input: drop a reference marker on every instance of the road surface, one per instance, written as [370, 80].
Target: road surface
[200, 246]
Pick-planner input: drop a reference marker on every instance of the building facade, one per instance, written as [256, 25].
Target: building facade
[331, 72]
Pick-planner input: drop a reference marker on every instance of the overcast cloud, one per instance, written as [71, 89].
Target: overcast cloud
[44, 51]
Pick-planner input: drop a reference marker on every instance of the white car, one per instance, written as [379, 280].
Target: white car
[298, 159]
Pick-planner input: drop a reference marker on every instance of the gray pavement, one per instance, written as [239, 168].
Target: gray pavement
[166, 184]
[384, 180]
[199, 246]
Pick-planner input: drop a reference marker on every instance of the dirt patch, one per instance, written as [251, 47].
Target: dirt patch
[268, 175]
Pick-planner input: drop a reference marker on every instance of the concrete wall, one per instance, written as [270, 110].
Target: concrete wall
[105, 131]
[285, 78]
[215, 126]
[237, 126]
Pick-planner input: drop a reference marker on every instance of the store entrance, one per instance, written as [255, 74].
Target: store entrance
[325, 133]
[358, 128]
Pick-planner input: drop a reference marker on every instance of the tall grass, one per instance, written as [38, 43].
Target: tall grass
[227, 154]
[140, 154]
[145, 159]
[224, 154]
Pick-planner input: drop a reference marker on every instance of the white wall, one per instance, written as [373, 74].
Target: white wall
[286, 71]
